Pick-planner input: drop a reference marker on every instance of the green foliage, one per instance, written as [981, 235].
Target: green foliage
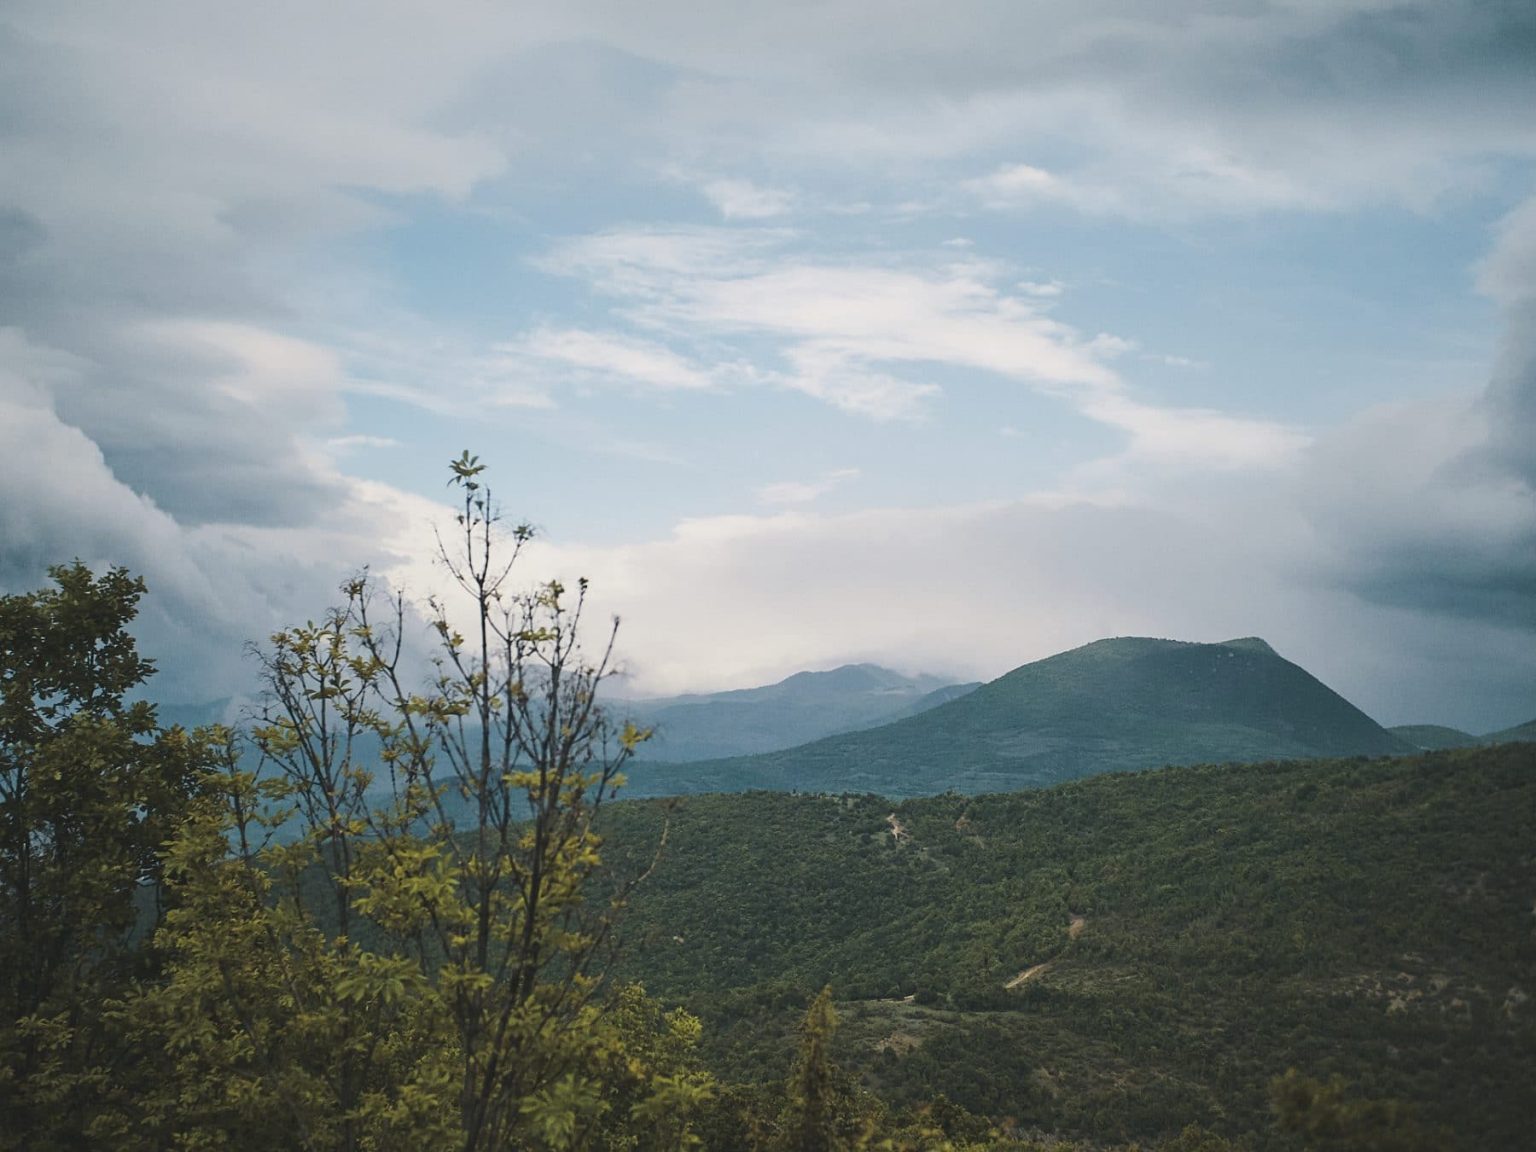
[89, 789]
[1366, 918]
[817, 1117]
[1329, 1119]
[424, 964]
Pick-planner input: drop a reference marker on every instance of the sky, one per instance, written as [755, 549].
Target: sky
[942, 335]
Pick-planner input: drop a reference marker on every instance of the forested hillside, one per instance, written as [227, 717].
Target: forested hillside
[1120, 704]
[1117, 957]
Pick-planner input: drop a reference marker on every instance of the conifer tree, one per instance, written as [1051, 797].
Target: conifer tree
[815, 1114]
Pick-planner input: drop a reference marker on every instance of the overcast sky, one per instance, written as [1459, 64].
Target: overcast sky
[944, 335]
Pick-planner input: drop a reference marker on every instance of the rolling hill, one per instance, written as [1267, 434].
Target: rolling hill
[1114, 705]
[796, 710]
[1434, 737]
[1520, 733]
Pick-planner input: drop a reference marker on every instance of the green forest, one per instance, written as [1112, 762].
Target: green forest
[403, 914]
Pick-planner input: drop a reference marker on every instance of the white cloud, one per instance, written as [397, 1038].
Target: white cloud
[618, 358]
[1110, 346]
[214, 586]
[1508, 273]
[1197, 438]
[804, 491]
[1160, 173]
[1041, 289]
[1013, 184]
[975, 590]
[844, 380]
[861, 336]
[744, 200]
[259, 368]
[348, 443]
[1174, 361]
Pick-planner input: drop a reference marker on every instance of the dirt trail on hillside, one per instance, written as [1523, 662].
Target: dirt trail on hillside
[1027, 975]
[1075, 928]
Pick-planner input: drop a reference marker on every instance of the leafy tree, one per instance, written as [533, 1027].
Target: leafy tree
[89, 789]
[423, 964]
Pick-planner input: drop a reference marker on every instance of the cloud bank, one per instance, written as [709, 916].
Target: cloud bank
[216, 315]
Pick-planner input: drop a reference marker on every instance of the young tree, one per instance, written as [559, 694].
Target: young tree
[89, 790]
[822, 1112]
[426, 960]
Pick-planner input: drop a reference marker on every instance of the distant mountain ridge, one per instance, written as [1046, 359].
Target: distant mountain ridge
[1114, 705]
[1434, 737]
[1438, 737]
[1520, 733]
[797, 710]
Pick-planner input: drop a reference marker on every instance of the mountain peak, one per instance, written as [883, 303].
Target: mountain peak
[1118, 704]
[848, 677]
[1250, 644]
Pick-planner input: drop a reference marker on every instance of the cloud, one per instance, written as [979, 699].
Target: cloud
[804, 491]
[214, 586]
[1041, 289]
[610, 357]
[1197, 437]
[1174, 361]
[205, 211]
[349, 443]
[859, 335]
[844, 379]
[976, 590]
[1011, 185]
[743, 200]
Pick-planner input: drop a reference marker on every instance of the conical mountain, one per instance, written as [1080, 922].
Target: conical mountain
[1115, 705]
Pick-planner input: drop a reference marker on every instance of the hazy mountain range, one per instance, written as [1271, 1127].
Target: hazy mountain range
[1436, 737]
[1114, 705]
[796, 710]
[1120, 704]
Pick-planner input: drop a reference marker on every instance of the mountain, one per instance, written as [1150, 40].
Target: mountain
[796, 710]
[1434, 737]
[1520, 733]
[938, 696]
[1431, 737]
[1114, 958]
[1115, 705]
